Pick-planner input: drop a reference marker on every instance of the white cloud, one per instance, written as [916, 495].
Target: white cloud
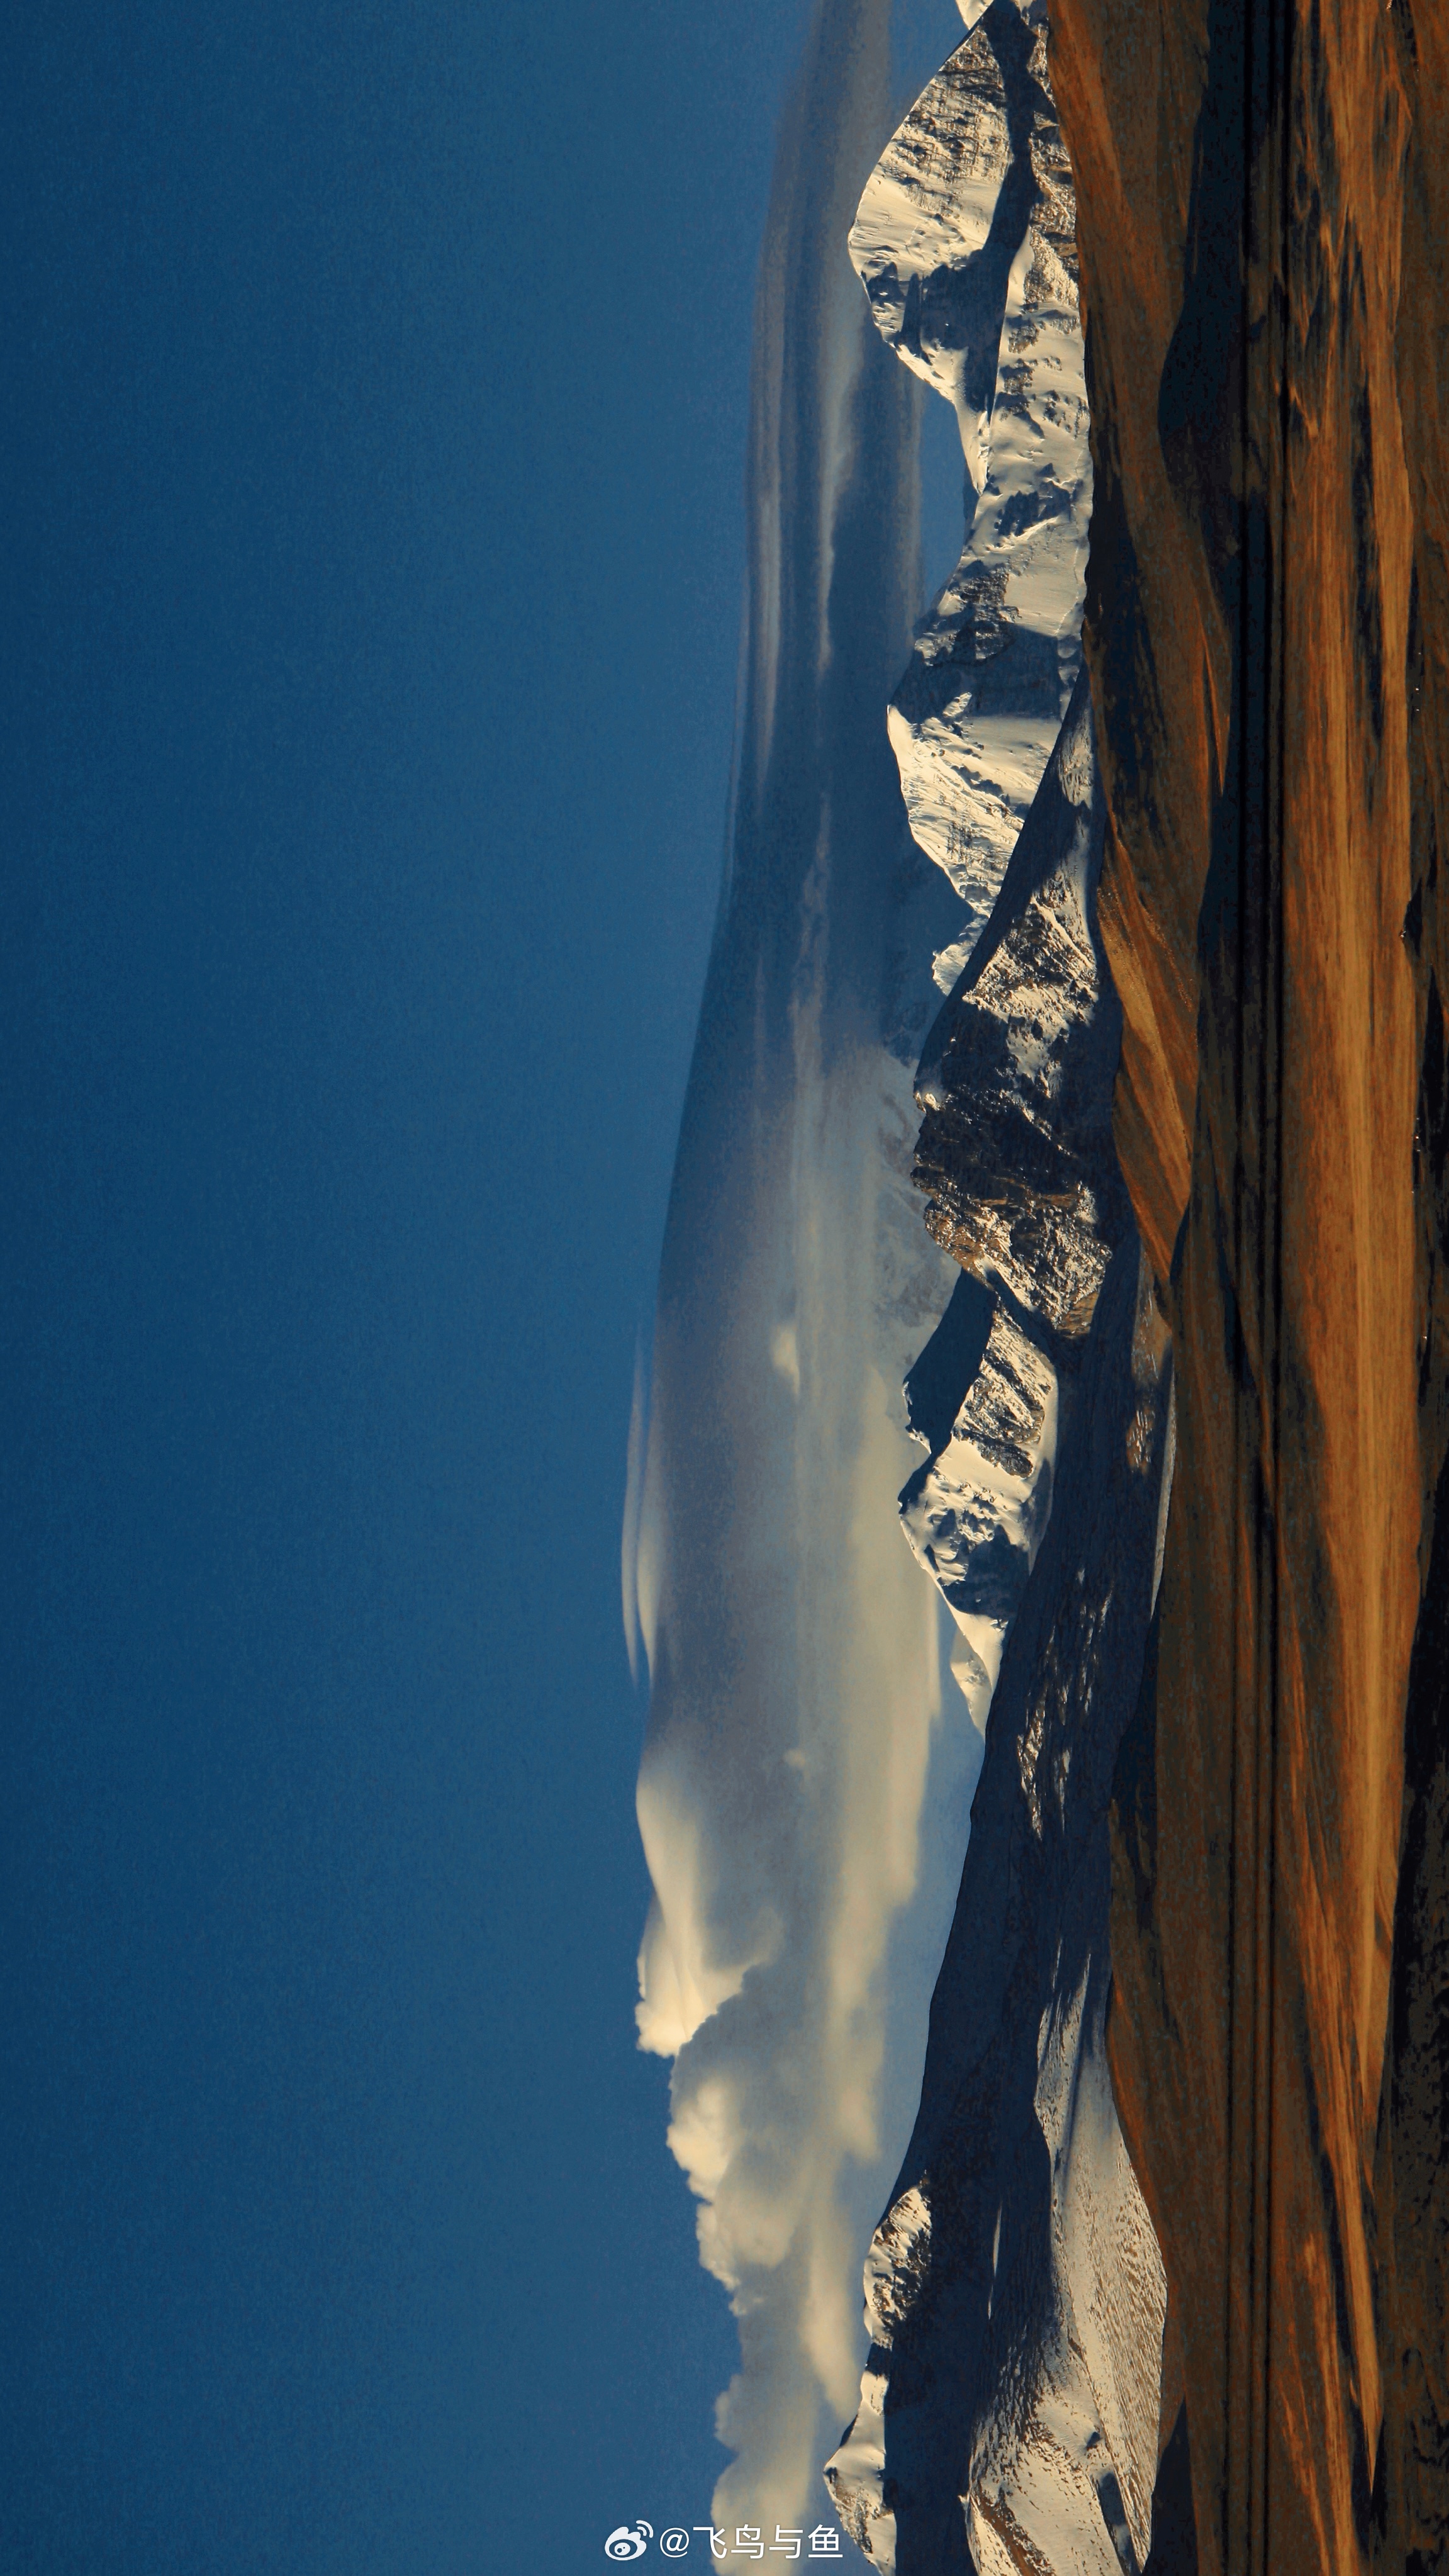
[804, 1790]
[803, 1796]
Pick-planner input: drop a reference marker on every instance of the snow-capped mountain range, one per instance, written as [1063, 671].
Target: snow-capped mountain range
[1014, 2292]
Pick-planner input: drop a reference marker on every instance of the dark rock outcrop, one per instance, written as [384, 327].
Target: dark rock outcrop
[1015, 1150]
[1014, 2294]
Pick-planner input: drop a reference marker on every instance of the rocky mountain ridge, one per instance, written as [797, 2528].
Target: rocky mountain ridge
[1015, 2297]
[965, 246]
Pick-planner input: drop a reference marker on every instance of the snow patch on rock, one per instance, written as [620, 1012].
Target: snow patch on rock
[965, 242]
[975, 1513]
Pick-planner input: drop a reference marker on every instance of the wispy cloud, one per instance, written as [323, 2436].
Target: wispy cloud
[804, 1789]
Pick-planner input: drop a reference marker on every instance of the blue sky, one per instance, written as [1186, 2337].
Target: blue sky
[375, 447]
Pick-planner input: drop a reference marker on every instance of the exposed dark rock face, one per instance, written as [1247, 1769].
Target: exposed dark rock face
[1411, 2497]
[1174, 2532]
[965, 245]
[1015, 1150]
[1014, 2295]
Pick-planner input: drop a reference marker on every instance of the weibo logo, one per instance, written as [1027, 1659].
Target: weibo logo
[629, 2542]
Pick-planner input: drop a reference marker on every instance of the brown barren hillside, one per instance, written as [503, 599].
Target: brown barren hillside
[1264, 235]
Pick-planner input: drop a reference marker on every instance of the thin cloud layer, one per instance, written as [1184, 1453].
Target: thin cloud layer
[808, 1767]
